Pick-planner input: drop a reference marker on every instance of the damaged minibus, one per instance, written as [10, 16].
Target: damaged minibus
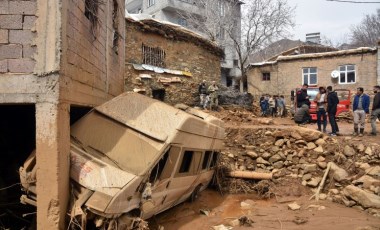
[133, 157]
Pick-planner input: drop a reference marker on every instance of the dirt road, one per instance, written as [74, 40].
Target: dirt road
[266, 214]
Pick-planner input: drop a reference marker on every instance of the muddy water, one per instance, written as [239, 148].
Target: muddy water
[266, 214]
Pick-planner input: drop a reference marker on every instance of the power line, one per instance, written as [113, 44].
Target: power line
[347, 1]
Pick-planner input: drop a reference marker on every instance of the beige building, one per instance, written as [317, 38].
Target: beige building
[57, 59]
[355, 68]
[167, 61]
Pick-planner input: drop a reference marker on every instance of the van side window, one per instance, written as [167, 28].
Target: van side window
[214, 160]
[206, 159]
[186, 161]
[157, 170]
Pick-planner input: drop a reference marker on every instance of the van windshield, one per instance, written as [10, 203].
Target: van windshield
[130, 150]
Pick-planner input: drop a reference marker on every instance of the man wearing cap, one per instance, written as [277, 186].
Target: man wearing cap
[375, 109]
[213, 91]
[360, 108]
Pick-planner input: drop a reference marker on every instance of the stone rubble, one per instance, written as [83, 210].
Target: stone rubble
[301, 153]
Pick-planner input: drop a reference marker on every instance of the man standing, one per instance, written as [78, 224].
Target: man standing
[302, 115]
[213, 91]
[360, 107]
[321, 100]
[375, 109]
[202, 90]
[332, 104]
[281, 105]
[302, 97]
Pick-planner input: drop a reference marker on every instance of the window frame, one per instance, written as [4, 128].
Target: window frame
[265, 78]
[308, 74]
[346, 71]
[151, 2]
[154, 56]
[206, 158]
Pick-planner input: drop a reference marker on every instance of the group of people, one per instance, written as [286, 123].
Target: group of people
[272, 105]
[208, 95]
[327, 101]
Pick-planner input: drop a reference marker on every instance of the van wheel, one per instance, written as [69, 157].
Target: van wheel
[195, 193]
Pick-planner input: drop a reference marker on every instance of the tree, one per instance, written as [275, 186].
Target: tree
[367, 32]
[257, 24]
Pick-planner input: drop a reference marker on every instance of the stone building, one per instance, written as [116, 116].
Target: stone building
[176, 11]
[167, 61]
[58, 59]
[356, 67]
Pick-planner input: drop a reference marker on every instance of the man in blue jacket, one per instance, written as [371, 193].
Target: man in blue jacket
[361, 108]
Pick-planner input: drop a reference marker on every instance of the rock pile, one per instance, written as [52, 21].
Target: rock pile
[303, 154]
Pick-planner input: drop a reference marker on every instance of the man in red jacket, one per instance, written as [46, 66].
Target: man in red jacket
[375, 109]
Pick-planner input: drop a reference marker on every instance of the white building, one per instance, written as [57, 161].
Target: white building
[173, 11]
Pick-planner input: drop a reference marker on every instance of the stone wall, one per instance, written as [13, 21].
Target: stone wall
[287, 75]
[179, 55]
[17, 32]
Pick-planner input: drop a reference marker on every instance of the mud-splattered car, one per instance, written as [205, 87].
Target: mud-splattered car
[133, 157]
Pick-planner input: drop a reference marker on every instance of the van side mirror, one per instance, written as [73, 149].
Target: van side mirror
[292, 95]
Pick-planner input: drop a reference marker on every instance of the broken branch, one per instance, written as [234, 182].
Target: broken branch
[250, 175]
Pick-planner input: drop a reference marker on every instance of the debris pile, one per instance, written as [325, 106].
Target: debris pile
[230, 96]
[346, 116]
[232, 114]
[298, 158]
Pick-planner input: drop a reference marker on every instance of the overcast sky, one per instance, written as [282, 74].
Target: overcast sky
[331, 19]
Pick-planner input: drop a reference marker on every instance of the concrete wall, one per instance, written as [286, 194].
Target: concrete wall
[50, 57]
[180, 55]
[287, 75]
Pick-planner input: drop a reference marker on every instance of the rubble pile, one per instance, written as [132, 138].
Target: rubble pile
[346, 116]
[231, 96]
[232, 114]
[299, 156]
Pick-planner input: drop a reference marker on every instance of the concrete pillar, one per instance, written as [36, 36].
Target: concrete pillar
[52, 150]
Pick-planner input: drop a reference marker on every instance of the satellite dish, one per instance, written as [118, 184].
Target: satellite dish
[335, 74]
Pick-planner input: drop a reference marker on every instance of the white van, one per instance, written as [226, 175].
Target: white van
[134, 157]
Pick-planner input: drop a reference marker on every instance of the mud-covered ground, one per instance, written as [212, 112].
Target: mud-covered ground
[265, 204]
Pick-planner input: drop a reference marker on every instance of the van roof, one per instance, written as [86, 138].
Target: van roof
[155, 118]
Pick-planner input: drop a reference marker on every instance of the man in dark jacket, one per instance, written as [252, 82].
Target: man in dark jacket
[302, 97]
[360, 108]
[375, 109]
[332, 104]
[302, 115]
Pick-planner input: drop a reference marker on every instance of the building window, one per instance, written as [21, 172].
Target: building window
[347, 74]
[221, 8]
[153, 56]
[309, 76]
[182, 22]
[151, 2]
[115, 26]
[91, 11]
[220, 33]
[236, 63]
[266, 77]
